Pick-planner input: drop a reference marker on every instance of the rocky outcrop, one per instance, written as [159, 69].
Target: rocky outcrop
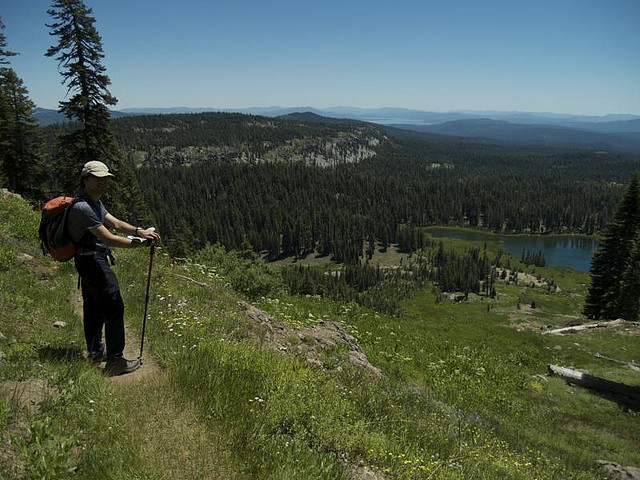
[614, 471]
[40, 271]
[6, 193]
[309, 342]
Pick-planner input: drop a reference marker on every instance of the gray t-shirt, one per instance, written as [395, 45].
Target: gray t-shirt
[83, 216]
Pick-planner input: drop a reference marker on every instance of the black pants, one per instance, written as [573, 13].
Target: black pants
[102, 304]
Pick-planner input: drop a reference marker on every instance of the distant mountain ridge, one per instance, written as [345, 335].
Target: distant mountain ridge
[387, 116]
[315, 118]
[539, 135]
[49, 116]
[615, 131]
[179, 139]
[608, 123]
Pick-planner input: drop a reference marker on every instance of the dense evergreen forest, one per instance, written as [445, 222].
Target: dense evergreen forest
[291, 188]
[383, 288]
[187, 139]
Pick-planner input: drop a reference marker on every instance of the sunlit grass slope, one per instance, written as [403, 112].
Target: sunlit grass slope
[462, 393]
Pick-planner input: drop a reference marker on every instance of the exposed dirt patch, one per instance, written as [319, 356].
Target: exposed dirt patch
[364, 473]
[149, 368]
[622, 326]
[29, 393]
[173, 435]
[12, 463]
[40, 271]
[311, 343]
[525, 319]
[131, 351]
[520, 318]
[75, 299]
[523, 325]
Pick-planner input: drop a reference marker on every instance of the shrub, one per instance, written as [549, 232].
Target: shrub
[254, 278]
[7, 256]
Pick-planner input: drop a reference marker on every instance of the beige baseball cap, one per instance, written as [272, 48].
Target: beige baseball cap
[97, 169]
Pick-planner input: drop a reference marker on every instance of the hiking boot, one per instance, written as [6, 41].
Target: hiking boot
[95, 357]
[121, 366]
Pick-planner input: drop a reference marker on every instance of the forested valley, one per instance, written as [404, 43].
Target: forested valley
[342, 190]
[291, 188]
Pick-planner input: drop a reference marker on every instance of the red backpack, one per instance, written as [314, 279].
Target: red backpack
[54, 238]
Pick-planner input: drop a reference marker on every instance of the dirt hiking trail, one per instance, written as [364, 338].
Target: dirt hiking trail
[168, 430]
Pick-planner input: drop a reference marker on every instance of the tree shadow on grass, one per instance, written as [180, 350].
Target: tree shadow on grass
[59, 353]
[628, 404]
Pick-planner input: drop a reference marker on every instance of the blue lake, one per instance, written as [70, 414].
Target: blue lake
[559, 250]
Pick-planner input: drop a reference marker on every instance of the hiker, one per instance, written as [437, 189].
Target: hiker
[88, 225]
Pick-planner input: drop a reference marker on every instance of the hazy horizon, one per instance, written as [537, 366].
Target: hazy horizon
[572, 57]
[364, 109]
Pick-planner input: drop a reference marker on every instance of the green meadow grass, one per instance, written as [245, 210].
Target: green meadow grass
[462, 395]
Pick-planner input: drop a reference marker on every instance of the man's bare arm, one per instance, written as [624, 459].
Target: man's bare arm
[129, 229]
[119, 225]
[111, 240]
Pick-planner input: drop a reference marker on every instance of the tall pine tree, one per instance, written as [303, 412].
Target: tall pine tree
[21, 163]
[4, 107]
[611, 271]
[4, 53]
[79, 54]
[629, 300]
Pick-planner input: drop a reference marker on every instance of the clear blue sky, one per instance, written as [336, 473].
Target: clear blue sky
[565, 56]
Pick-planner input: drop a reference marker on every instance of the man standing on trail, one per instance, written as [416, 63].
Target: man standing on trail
[88, 224]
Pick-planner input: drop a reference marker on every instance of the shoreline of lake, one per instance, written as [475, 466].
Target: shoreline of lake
[562, 250]
[595, 236]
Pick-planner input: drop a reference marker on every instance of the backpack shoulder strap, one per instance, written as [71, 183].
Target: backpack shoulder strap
[63, 231]
[75, 200]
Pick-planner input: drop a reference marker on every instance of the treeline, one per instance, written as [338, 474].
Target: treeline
[246, 180]
[471, 272]
[371, 286]
[250, 133]
[533, 258]
[615, 269]
[383, 288]
[22, 159]
[243, 180]
[288, 208]
[293, 210]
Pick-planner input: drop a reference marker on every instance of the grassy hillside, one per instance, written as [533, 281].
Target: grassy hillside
[462, 392]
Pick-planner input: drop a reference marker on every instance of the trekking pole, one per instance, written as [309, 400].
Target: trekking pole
[146, 300]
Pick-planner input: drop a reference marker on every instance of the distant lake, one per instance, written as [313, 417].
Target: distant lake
[559, 250]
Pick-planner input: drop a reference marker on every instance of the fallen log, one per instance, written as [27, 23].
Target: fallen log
[633, 365]
[594, 383]
[184, 277]
[586, 326]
